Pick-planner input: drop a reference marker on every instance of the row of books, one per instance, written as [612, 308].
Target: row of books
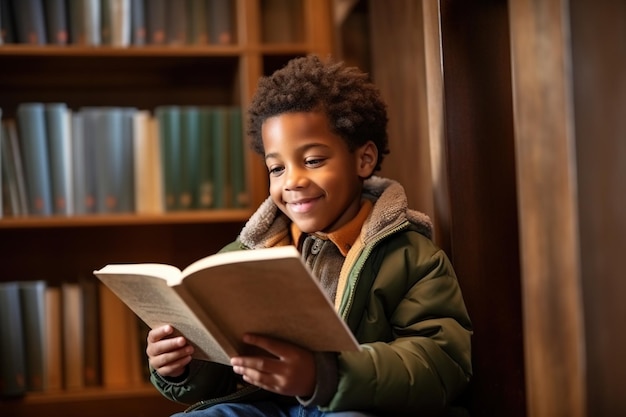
[56, 161]
[67, 337]
[117, 22]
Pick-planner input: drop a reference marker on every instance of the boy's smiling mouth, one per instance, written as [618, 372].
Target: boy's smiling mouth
[303, 205]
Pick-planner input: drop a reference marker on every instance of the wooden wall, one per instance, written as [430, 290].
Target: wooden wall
[508, 123]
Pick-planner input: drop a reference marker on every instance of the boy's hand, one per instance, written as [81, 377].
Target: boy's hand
[168, 355]
[291, 373]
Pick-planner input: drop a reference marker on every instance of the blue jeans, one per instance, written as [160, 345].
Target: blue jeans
[266, 409]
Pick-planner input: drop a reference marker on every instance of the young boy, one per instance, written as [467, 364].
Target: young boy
[321, 128]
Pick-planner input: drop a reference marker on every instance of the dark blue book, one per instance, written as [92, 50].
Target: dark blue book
[56, 20]
[7, 23]
[30, 22]
[138, 28]
[12, 358]
[34, 147]
[33, 308]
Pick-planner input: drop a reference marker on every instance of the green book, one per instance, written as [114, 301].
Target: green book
[190, 157]
[237, 161]
[205, 160]
[168, 118]
[221, 186]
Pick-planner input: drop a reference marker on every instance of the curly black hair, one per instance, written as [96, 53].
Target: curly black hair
[353, 105]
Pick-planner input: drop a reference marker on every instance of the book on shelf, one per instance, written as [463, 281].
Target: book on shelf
[7, 26]
[13, 178]
[205, 155]
[12, 357]
[33, 310]
[138, 29]
[169, 135]
[147, 164]
[115, 22]
[156, 20]
[73, 336]
[58, 121]
[190, 162]
[53, 343]
[34, 147]
[91, 340]
[216, 300]
[221, 22]
[198, 22]
[30, 21]
[121, 362]
[55, 15]
[219, 162]
[238, 188]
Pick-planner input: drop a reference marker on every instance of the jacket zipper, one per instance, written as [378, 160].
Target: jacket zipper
[366, 253]
[225, 399]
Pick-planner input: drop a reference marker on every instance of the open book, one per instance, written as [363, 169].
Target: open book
[217, 299]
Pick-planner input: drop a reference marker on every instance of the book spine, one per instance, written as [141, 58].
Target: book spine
[90, 310]
[73, 336]
[32, 301]
[32, 134]
[84, 124]
[29, 22]
[176, 22]
[14, 169]
[138, 27]
[7, 23]
[221, 23]
[156, 21]
[237, 159]
[12, 359]
[219, 124]
[58, 119]
[198, 27]
[53, 346]
[205, 169]
[189, 138]
[169, 132]
[56, 22]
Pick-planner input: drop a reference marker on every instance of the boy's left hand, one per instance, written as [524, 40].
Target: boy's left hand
[291, 373]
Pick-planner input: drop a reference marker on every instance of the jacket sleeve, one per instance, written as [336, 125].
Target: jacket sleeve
[415, 332]
[202, 381]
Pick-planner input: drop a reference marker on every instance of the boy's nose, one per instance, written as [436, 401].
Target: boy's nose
[296, 178]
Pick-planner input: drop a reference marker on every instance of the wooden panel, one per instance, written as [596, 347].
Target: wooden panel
[398, 69]
[554, 340]
[599, 66]
[480, 160]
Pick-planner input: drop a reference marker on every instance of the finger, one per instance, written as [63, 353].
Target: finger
[167, 346]
[275, 347]
[159, 333]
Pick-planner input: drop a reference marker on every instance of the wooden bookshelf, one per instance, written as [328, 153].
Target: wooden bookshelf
[60, 248]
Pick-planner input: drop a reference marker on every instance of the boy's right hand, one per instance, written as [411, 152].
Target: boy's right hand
[168, 355]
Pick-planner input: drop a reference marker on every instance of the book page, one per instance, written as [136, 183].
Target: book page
[275, 296]
[157, 304]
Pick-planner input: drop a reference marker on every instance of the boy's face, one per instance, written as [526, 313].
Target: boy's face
[314, 178]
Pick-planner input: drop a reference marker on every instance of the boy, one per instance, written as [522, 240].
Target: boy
[321, 128]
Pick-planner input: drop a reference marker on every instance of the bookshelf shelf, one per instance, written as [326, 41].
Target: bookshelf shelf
[61, 249]
[204, 216]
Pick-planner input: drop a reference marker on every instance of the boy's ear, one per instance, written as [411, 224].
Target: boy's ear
[367, 157]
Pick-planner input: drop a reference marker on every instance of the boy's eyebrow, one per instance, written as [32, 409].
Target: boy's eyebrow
[302, 148]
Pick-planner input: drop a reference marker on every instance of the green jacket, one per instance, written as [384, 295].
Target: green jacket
[399, 295]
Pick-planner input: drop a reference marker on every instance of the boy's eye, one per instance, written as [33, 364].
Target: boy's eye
[275, 170]
[314, 162]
